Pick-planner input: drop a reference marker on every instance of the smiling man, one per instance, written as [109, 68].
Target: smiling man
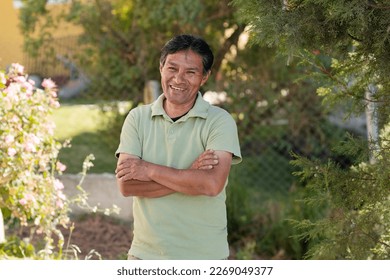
[174, 158]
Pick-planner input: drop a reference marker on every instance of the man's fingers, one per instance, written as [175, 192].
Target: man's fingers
[207, 163]
[206, 167]
[208, 155]
[206, 160]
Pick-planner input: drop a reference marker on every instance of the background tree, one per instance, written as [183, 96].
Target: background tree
[355, 34]
[276, 111]
[121, 42]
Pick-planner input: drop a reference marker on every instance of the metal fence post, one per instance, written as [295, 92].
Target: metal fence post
[372, 123]
[151, 91]
[2, 231]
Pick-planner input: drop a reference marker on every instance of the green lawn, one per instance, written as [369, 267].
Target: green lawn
[81, 124]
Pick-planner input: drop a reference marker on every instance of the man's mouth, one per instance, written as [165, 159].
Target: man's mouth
[177, 88]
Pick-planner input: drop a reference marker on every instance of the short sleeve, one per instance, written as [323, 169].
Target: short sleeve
[223, 136]
[129, 140]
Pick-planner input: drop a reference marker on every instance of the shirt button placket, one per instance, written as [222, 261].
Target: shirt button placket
[171, 133]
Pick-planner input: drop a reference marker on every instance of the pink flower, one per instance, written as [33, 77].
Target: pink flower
[53, 93]
[60, 167]
[61, 195]
[11, 152]
[12, 92]
[29, 197]
[60, 204]
[31, 142]
[32, 82]
[20, 79]
[23, 201]
[48, 84]
[41, 108]
[29, 89]
[54, 103]
[50, 126]
[16, 68]
[35, 139]
[29, 147]
[58, 185]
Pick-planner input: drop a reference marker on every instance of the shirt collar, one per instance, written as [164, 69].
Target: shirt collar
[200, 109]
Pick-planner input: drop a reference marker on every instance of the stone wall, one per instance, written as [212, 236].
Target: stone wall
[102, 192]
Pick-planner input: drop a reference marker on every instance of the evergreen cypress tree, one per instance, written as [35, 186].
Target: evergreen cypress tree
[355, 36]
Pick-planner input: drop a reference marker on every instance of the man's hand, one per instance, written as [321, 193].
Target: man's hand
[206, 160]
[132, 168]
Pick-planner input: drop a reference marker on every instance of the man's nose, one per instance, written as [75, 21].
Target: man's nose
[179, 77]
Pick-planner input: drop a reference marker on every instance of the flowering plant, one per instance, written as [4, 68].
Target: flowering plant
[30, 192]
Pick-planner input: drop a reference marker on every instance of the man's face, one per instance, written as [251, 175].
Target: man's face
[182, 76]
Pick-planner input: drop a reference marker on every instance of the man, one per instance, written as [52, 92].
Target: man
[174, 158]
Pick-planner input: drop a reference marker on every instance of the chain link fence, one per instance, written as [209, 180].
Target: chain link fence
[270, 129]
[301, 127]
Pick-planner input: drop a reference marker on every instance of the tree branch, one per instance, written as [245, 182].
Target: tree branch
[232, 40]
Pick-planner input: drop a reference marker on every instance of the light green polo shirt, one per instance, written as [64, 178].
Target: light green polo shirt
[179, 226]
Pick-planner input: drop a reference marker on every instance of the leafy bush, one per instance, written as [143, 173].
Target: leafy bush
[357, 224]
[30, 194]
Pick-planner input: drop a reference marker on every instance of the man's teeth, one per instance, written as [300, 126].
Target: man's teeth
[176, 88]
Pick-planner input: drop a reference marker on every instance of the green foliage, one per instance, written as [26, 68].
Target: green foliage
[353, 32]
[31, 195]
[259, 221]
[28, 153]
[112, 118]
[345, 47]
[357, 224]
[120, 46]
[17, 248]
[260, 210]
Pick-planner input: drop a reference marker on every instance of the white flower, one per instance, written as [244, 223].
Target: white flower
[11, 152]
[9, 139]
[58, 185]
[3, 79]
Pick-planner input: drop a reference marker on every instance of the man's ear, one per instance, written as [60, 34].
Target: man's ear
[161, 67]
[205, 78]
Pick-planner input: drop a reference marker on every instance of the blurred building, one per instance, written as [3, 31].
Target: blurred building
[11, 40]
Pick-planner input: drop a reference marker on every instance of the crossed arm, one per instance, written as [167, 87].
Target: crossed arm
[206, 176]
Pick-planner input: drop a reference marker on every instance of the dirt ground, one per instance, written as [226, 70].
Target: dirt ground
[108, 237]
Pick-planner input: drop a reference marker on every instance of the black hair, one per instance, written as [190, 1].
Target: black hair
[189, 42]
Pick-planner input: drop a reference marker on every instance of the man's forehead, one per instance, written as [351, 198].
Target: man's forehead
[188, 58]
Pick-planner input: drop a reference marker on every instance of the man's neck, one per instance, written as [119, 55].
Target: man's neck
[174, 111]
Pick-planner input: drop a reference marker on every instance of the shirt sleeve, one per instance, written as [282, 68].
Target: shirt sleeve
[129, 140]
[224, 136]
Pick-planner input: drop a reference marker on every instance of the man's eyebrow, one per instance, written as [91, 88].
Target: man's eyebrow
[188, 68]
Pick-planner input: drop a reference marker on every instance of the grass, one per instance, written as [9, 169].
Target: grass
[81, 124]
